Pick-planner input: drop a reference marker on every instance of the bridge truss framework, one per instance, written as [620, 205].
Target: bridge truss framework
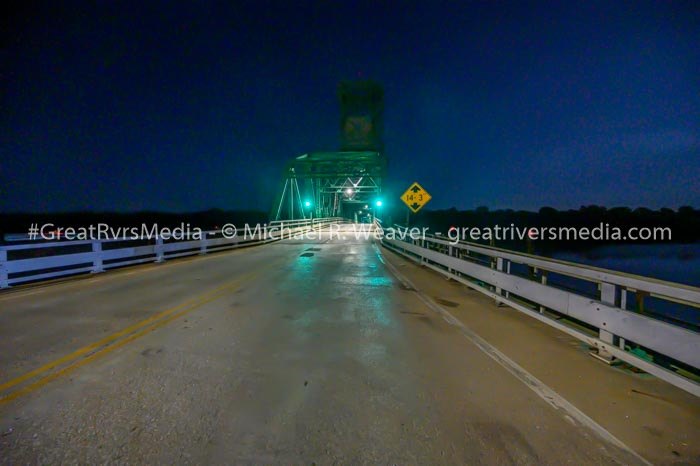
[330, 184]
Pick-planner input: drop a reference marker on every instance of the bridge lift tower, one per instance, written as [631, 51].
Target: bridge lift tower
[345, 182]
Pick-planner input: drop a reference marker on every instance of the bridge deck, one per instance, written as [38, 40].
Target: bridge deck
[310, 351]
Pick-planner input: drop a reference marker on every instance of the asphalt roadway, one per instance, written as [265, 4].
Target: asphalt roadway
[295, 352]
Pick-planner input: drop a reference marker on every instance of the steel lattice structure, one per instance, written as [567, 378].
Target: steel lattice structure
[340, 183]
[336, 184]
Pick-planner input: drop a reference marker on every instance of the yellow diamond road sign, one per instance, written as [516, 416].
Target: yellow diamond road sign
[415, 197]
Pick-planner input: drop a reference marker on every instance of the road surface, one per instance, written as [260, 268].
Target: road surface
[296, 352]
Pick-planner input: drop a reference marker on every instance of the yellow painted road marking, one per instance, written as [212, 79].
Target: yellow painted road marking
[105, 350]
[103, 346]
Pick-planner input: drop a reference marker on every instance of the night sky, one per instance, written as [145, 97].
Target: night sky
[182, 107]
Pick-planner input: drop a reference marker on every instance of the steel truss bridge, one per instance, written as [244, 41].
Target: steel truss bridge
[345, 183]
[330, 184]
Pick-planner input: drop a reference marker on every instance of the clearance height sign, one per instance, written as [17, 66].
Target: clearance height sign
[415, 197]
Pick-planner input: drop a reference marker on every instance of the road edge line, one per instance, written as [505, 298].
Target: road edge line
[550, 396]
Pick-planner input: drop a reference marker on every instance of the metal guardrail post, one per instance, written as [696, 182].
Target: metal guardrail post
[502, 265]
[450, 251]
[203, 244]
[160, 253]
[4, 283]
[623, 306]
[507, 293]
[499, 267]
[608, 293]
[97, 265]
[543, 280]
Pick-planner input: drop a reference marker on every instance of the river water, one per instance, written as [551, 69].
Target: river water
[672, 262]
[678, 263]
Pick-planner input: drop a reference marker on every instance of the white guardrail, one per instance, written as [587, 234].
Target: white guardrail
[37, 261]
[608, 324]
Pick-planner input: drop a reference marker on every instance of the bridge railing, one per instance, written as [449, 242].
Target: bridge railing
[35, 261]
[603, 308]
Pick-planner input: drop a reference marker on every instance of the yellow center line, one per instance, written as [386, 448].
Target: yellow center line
[100, 347]
[108, 349]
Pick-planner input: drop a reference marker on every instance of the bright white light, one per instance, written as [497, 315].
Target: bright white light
[349, 191]
[379, 203]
